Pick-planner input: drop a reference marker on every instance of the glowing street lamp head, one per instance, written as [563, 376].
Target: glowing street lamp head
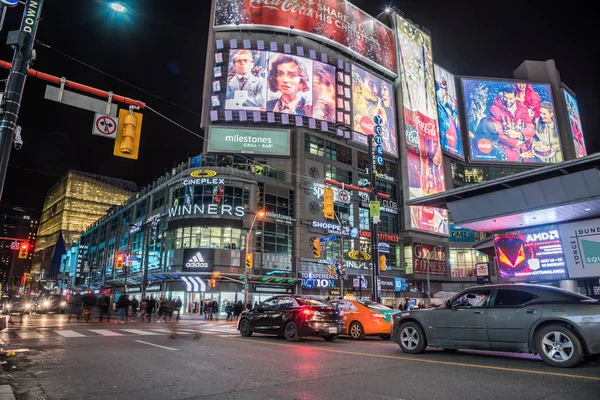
[118, 7]
[261, 213]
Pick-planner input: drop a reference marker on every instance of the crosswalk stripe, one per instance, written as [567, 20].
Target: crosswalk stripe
[139, 332]
[105, 332]
[69, 333]
[29, 335]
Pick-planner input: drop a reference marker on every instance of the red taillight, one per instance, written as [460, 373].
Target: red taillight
[377, 315]
[307, 312]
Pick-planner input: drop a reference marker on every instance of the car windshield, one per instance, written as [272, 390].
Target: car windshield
[311, 301]
[372, 304]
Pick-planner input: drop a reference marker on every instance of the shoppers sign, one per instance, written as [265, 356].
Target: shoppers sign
[335, 21]
[206, 210]
[197, 260]
[273, 142]
[581, 245]
[331, 228]
[427, 257]
[527, 254]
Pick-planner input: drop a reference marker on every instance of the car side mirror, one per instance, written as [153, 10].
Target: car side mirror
[260, 309]
[448, 303]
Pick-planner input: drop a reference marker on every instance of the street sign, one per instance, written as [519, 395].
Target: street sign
[354, 233]
[375, 208]
[80, 101]
[343, 196]
[327, 238]
[105, 126]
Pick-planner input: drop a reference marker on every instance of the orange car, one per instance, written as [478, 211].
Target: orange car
[365, 317]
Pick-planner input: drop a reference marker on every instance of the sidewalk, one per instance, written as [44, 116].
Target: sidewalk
[198, 318]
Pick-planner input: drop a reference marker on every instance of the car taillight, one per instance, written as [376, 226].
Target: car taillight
[307, 312]
[377, 315]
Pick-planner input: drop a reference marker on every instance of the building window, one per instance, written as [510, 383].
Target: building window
[211, 194]
[205, 237]
[158, 200]
[338, 174]
[363, 218]
[462, 262]
[315, 145]
[324, 148]
[389, 223]
[363, 160]
[275, 239]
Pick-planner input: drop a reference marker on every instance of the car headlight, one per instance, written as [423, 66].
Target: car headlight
[8, 306]
[46, 303]
[63, 304]
[27, 306]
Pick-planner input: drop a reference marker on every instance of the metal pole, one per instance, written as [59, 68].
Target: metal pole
[146, 256]
[428, 284]
[3, 14]
[247, 270]
[374, 226]
[16, 83]
[341, 255]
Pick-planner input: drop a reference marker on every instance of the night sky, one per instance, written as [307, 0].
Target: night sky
[160, 47]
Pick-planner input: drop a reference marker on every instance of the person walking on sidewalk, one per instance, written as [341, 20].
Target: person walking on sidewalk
[122, 307]
[134, 304]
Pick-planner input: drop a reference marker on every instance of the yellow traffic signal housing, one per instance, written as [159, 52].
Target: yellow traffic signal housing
[24, 250]
[316, 245]
[127, 143]
[249, 260]
[331, 269]
[328, 207]
[382, 263]
[216, 274]
[212, 283]
[119, 261]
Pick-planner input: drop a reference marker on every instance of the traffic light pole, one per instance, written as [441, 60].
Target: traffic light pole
[23, 47]
[374, 226]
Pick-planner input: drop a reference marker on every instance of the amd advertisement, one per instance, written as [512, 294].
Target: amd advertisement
[511, 121]
[575, 123]
[531, 254]
[422, 138]
[331, 20]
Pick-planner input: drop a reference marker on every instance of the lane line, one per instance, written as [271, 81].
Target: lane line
[105, 332]
[452, 363]
[29, 335]
[157, 345]
[69, 333]
[139, 332]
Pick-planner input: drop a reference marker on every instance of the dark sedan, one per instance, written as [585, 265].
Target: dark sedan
[292, 317]
[561, 326]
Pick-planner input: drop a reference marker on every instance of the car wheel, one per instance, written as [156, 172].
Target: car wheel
[412, 338]
[559, 346]
[291, 332]
[385, 337]
[330, 338]
[245, 328]
[356, 331]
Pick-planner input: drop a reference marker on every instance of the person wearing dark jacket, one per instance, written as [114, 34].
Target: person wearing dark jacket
[103, 306]
[122, 306]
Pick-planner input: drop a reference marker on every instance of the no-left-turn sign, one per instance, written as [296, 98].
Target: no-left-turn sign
[105, 126]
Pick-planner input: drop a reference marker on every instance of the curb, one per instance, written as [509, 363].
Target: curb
[6, 393]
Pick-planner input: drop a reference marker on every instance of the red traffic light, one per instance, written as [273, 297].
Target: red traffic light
[24, 246]
[119, 257]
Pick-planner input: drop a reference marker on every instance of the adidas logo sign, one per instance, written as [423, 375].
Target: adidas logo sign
[196, 262]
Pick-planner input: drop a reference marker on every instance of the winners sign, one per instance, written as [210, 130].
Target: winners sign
[339, 20]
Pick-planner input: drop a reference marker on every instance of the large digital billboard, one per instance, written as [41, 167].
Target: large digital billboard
[331, 20]
[531, 254]
[575, 123]
[424, 150]
[283, 83]
[225, 139]
[510, 121]
[373, 96]
[448, 113]
[581, 242]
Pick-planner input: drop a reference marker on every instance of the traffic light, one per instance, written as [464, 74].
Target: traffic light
[316, 245]
[382, 263]
[119, 261]
[24, 250]
[127, 143]
[216, 274]
[249, 260]
[331, 269]
[212, 283]
[328, 208]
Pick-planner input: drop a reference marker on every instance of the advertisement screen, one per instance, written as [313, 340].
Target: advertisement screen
[511, 122]
[268, 81]
[275, 142]
[335, 20]
[531, 254]
[448, 115]
[424, 150]
[373, 96]
[581, 242]
[575, 123]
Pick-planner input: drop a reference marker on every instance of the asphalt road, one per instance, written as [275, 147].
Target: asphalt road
[140, 362]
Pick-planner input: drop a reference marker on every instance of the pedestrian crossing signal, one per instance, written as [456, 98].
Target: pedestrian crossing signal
[249, 258]
[24, 250]
[316, 245]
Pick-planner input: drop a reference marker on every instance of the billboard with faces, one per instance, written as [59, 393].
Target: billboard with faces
[282, 83]
[511, 121]
[448, 113]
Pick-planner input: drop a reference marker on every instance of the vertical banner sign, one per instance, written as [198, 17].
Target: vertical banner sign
[424, 151]
[575, 123]
[448, 112]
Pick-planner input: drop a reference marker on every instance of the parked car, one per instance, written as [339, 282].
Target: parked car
[559, 325]
[51, 303]
[292, 317]
[365, 317]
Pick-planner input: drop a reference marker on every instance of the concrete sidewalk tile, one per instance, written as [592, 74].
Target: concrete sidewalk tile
[6, 392]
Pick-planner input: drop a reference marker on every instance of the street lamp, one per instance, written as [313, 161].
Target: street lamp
[118, 7]
[261, 214]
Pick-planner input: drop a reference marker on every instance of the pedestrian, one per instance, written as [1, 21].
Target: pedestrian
[208, 310]
[215, 310]
[229, 311]
[103, 306]
[178, 305]
[237, 309]
[134, 304]
[150, 307]
[256, 304]
[75, 306]
[122, 307]
[89, 301]
[249, 306]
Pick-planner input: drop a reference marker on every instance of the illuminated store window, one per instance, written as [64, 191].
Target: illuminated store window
[462, 262]
[214, 237]
[473, 175]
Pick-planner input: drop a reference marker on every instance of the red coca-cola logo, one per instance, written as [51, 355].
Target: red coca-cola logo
[484, 146]
[300, 13]
[426, 125]
[367, 125]
[451, 137]
[428, 213]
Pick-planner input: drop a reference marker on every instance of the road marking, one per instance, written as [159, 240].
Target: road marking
[457, 364]
[105, 332]
[156, 345]
[69, 333]
[139, 332]
[29, 335]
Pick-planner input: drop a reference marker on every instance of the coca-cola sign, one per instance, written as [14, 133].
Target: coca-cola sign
[341, 21]
[427, 127]
[484, 146]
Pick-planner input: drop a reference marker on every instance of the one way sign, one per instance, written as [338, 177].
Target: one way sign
[105, 125]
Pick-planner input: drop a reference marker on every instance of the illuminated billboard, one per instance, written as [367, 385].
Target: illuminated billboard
[581, 243]
[531, 254]
[511, 122]
[373, 96]
[337, 21]
[575, 123]
[273, 142]
[423, 147]
[448, 113]
[282, 83]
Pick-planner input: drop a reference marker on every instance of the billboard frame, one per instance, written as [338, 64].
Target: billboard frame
[460, 99]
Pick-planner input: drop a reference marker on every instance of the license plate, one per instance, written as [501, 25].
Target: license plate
[332, 330]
